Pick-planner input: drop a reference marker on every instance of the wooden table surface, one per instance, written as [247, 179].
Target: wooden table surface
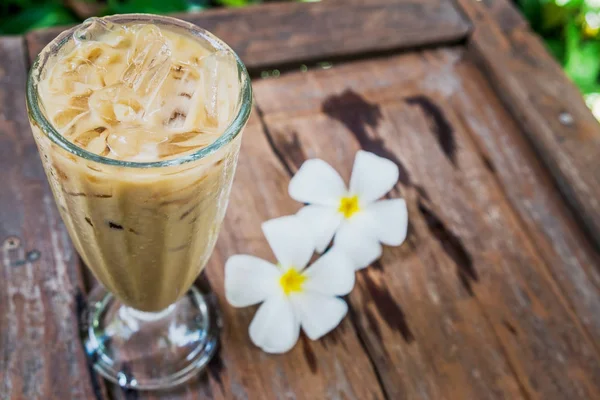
[494, 295]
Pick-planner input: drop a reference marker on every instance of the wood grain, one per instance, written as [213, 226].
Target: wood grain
[467, 308]
[528, 186]
[281, 33]
[495, 294]
[335, 367]
[547, 105]
[41, 291]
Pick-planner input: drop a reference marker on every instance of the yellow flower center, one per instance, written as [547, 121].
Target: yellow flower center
[349, 206]
[292, 281]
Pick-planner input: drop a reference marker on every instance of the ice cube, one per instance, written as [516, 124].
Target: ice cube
[83, 139]
[172, 101]
[93, 29]
[74, 76]
[98, 145]
[149, 65]
[80, 102]
[101, 56]
[65, 118]
[196, 138]
[176, 119]
[101, 104]
[216, 94]
[124, 112]
[166, 150]
[123, 144]
[129, 141]
[116, 103]
[185, 142]
[148, 152]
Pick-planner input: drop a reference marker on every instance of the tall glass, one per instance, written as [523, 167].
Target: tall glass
[146, 230]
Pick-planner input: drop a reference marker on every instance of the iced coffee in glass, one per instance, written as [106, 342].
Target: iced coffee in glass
[138, 121]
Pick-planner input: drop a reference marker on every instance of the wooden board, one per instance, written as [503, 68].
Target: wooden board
[495, 294]
[41, 290]
[466, 308]
[528, 186]
[547, 106]
[280, 33]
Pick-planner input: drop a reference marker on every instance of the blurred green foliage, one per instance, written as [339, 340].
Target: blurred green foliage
[20, 16]
[570, 28]
[571, 31]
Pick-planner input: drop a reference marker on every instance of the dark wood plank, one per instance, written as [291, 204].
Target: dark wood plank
[568, 253]
[336, 367]
[281, 33]
[41, 290]
[547, 105]
[467, 307]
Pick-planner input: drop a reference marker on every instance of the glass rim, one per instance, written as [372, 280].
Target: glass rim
[233, 129]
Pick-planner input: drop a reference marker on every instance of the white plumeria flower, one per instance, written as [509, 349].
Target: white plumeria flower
[353, 216]
[292, 296]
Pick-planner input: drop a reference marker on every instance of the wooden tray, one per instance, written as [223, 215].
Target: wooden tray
[495, 294]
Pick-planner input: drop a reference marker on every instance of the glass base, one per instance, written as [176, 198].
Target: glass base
[141, 350]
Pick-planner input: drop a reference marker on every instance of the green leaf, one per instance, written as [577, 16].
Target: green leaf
[146, 6]
[532, 9]
[572, 35]
[194, 5]
[553, 16]
[236, 3]
[557, 49]
[41, 16]
[582, 58]
[571, 4]
[589, 88]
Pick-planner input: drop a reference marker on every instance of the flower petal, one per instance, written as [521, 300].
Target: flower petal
[318, 313]
[357, 237]
[372, 176]
[389, 219]
[290, 240]
[322, 221]
[249, 280]
[275, 328]
[317, 182]
[332, 274]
